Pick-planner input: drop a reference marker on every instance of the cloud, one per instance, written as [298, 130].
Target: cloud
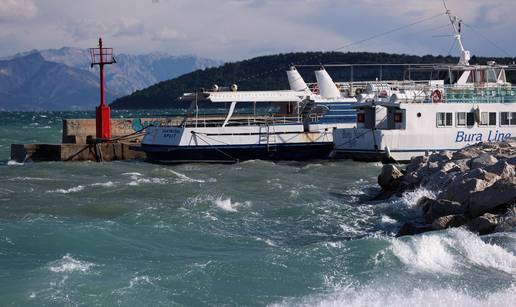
[128, 26]
[237, 29]
[167, 34]
[12, 10]
[85, 29]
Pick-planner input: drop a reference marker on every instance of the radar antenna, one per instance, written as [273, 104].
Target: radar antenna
[456, 23]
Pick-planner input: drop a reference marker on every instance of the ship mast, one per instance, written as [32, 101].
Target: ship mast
[456, 23]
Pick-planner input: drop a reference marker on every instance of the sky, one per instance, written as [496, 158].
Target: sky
[238, 29]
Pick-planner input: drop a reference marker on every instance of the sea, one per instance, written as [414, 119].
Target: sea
[255, 233]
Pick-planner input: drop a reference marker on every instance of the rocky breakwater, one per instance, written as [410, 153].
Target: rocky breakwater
[474, 188]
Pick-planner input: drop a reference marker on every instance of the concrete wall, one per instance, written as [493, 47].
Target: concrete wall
[78, 131]
[74, 152]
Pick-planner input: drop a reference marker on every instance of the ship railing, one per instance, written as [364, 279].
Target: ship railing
[217, 121]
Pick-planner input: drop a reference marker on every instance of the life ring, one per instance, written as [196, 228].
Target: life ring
[358, 91]
[437, 96]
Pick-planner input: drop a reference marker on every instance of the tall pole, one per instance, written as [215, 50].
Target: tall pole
[102, 56]
[101, 64]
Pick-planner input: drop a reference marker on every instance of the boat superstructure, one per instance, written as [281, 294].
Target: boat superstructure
[460, 105]
[294, 124]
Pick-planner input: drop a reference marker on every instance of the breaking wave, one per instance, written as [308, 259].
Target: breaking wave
[69, 264]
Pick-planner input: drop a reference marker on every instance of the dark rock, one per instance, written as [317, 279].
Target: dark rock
[507, 221]
[483, 160]
[467, 153]
[437, 181]
[503, 192]
[449, 221]
[460, 191]
[410, 228]
[502, 169]
[417, 160]
[390, 177]
[435, 208]
[484, 224]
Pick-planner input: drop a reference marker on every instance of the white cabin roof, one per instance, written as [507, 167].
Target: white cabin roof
[256, 96]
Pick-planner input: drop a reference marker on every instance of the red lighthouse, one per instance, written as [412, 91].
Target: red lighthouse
[102, 56]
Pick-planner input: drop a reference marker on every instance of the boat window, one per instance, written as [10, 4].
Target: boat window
[492, 118]
[488, 118]
[470, 119]
[444, 119]
[507, 118]
[461, 118]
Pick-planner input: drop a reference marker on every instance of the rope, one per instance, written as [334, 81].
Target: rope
[487, 39]
[217, 149]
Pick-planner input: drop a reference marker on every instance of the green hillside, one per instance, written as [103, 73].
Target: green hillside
[268, 73]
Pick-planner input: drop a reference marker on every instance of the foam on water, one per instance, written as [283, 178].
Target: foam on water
[385, 296]
[451, 252]
[427, 253]
[69, 264]
[14, 163]
[108, 184]
[480, 253]
[183, 178]
[67, 191]
[226, 204]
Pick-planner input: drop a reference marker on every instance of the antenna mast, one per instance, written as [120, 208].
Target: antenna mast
[456, 23]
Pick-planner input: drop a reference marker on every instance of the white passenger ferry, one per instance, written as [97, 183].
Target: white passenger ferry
[401, 119]
[294, 124]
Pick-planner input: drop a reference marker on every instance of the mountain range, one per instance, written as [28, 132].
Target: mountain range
[62, 79]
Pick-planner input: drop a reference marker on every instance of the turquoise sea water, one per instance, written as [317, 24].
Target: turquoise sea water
[255, 233]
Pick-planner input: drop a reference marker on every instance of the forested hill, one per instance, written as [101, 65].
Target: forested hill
[268, 73]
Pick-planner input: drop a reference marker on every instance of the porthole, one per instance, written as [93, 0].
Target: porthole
[419, 114]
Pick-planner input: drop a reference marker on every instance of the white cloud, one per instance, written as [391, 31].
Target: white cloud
[128, 26]
[167, 34]
[237, 29]
[11, 10]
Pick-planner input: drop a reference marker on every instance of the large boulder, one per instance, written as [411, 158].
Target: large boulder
[390, 177]
[463, 185]
[437, 181]
[503, 192]
[435, 208]
[507, 221]
[483, 224]
[449, 221]
[460, 191]
[467, 153]
[482, 161]
[502, 169]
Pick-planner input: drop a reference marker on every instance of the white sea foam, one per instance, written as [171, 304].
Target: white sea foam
[387, 220]
[138, 179]
[226, 204]
[183, 178]
[379, 296]
[108, 184]
[446, 252]
[14, 163]
[139, 280]
[67, 191]
[30, 179]
[410, 199]
[132, 174]
[69, 264]
[486, 255]
[430, 253]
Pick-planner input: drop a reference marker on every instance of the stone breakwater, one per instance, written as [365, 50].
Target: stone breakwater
[474, 188]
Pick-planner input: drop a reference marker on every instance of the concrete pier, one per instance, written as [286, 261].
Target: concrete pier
[74, 152]
[78, 141]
